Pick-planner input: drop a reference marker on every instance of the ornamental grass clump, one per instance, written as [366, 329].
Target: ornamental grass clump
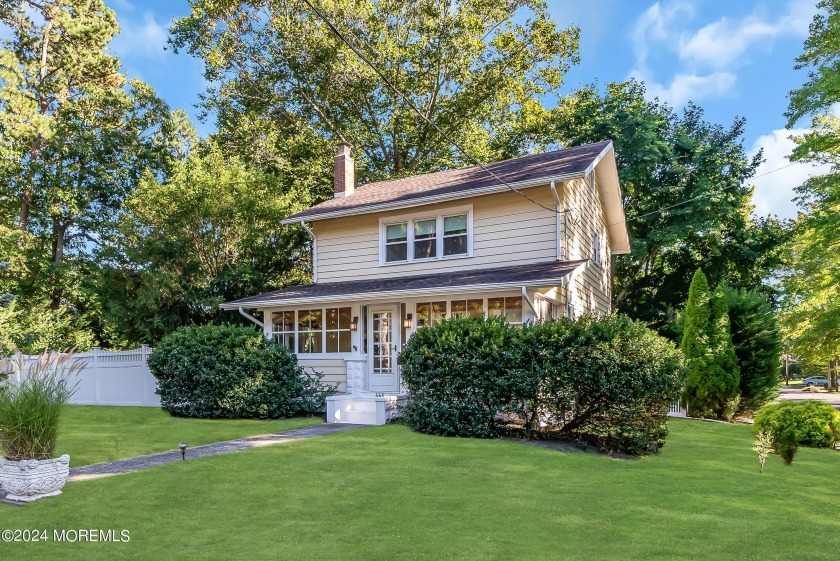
[30, 407]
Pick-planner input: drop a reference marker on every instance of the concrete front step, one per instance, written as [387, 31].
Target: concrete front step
[364, 409]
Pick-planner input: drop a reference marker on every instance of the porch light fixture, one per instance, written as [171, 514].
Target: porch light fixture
[354, 325]
[407, 321]
[183, 447]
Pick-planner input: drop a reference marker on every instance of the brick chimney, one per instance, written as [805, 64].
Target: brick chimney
[345, 171]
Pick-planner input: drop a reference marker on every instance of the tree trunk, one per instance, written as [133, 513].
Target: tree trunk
[60, 233]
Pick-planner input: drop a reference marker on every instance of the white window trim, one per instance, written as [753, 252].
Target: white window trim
[324, 354]
[409, 220]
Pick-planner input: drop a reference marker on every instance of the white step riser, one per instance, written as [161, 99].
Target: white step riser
[361, 410]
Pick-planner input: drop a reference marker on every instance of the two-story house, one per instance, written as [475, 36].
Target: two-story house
[393, 256]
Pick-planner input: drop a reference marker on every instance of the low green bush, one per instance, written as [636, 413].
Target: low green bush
[607, 382]
[460, 373]
[790, 424]
[232, 372]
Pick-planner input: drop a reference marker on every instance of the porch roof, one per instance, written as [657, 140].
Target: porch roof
[550, 273]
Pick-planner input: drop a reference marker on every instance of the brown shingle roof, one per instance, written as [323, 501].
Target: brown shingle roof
[394, 193]
[548, 273]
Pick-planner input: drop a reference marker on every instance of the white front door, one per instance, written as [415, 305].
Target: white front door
[383, 346]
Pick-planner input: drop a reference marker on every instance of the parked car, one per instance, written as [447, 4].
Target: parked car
[815, 381]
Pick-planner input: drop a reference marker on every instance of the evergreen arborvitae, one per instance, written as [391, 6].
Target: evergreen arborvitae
[724, 373]
[695, 343]
[757, 341]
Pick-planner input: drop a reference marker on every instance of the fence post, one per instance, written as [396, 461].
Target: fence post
[95, 361]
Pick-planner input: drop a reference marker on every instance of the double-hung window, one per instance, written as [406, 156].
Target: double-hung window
[407, 239]
[425, 239]
[396, 242]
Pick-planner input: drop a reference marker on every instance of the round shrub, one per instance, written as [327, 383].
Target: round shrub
[790, 425]
[460, 374]
[231, 372]
[606, 381]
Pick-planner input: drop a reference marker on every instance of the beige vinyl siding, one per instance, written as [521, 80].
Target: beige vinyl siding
[507, 230]
[333, 369]
[583, 211]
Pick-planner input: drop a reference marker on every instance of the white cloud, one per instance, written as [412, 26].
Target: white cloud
[722, 43]
[774, 191]
[709, 56]
[145, 39]
[685, 87]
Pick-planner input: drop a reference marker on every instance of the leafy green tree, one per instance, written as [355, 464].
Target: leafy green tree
[687, 195]
[33, 331]
[75, 138]
[811, 317]
[277, 72]
[757, 341]
[208, 233]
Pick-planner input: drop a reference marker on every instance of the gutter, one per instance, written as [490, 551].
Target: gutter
[314, 250]
[250, 317]
[560, 280]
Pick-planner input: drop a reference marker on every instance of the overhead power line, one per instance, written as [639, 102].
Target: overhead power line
[414, 108]
[463, 151]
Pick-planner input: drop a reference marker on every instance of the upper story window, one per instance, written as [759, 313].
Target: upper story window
[596, 248]
[404, 239]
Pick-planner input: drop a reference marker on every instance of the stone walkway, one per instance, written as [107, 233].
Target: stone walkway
[96, 471]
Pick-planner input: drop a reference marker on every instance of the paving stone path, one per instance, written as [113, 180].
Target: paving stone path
[96, 471]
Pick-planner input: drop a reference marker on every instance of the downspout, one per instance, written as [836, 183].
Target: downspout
[530, 303]
[250, 317]
[557, 221]
[314, 250]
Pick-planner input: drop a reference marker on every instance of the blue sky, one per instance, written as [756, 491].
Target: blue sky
[732, 58]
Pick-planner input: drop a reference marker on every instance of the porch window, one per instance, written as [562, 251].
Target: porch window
[284, 329]
[510, 308]
[338, 330]
[396, 242]
[310, 331]
[467, 308]
[429, 313]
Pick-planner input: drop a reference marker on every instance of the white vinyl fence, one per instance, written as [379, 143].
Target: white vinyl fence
[112, 378]
[676, 410]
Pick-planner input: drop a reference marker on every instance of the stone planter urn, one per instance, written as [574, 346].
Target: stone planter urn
[29, 480]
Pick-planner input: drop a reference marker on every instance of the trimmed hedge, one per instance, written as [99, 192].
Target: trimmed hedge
[460, 374]
[232, 372]
[790, 424]
[607, 382]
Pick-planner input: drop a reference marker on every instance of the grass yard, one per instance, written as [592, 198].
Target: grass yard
[388, 493]
[95, 434]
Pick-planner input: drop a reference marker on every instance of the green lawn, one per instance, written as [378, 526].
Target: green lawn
[388, 493]
[94, 434]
